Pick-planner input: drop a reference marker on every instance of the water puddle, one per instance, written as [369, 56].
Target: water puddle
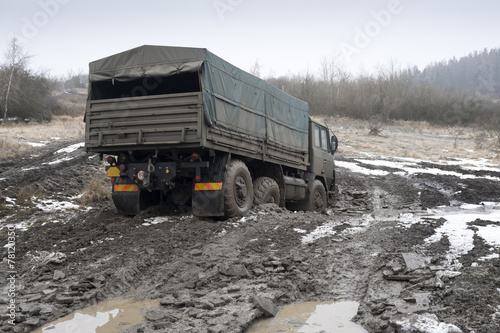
[312, 317]
[107, 317]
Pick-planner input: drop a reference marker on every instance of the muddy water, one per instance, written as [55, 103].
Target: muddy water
[106, 317]
[312, 317]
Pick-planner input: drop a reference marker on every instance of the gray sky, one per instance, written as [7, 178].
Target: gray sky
[284, 36]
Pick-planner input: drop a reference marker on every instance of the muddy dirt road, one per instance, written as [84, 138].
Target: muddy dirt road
[415, 243]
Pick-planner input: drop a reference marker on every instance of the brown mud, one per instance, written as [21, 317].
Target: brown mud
[222, 276]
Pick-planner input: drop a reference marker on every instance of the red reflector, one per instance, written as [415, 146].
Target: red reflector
[197, 178]
[194, 156]
[111, 160]
[113, 179]
[122, 167]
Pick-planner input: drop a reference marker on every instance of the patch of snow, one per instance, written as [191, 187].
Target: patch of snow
[490, 257]
[30, 168]
[456, 227]
[408, 219]
[245, 219]
[71, 148]
[300, 231]
[37, 144]
[436, 171]
[490, 234]
[427, 323]
[356, 168]
[389, 164]
[409, 166]
[60, 160]
[50, 205]
[10, 201]
[358, 225]
[155, 220]
[321, 231]
[327, 229]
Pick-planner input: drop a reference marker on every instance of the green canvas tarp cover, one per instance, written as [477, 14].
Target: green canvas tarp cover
[233, 99]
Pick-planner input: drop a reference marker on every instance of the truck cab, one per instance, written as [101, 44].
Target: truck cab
[322, 146]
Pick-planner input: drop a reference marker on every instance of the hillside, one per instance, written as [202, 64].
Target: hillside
[476, 73]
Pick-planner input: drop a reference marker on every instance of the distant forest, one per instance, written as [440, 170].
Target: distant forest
[455, 92]
[477, 74]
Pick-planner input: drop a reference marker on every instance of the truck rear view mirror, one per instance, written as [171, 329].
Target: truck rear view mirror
[334, 144]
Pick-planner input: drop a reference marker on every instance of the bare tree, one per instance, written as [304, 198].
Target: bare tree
[16, 60]
[255, 69]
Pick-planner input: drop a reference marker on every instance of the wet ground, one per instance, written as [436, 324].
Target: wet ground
[415, 243]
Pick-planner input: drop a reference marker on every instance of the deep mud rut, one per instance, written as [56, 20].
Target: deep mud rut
[221, 276]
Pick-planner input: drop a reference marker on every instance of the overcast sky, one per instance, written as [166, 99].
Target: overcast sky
[285, 37]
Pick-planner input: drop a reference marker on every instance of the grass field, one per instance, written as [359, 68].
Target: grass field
[19, 139]
[413, 140]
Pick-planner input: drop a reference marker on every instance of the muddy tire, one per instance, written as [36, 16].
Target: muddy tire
[266, 190]
[238, 190]
[317, 201]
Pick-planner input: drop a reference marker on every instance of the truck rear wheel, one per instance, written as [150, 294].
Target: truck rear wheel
[238, 190]
[266, 190]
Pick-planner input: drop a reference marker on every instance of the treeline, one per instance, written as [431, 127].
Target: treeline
[29, 95]
[391, 93]
[464, 91]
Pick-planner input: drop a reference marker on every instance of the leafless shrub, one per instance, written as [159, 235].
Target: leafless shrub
[480, 140]
[375, 125]
[28, 193]
[96, 191]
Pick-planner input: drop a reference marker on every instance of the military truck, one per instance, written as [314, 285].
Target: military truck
[182, 125]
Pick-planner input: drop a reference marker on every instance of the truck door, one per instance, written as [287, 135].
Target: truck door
[321, 159]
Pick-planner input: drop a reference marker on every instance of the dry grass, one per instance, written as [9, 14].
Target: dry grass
[413, 140]
[9, 147]
[27, 194]
[96, 191]
[15, 139]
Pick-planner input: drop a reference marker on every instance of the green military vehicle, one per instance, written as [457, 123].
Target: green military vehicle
[184, 126]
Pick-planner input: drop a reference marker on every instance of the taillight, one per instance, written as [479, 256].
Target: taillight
[194, 156]
[122, 158]
[113, 179]
[111, 160]
[141, 175]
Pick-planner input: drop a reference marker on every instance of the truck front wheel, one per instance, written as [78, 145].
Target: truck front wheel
[238, 190]
[318, 200]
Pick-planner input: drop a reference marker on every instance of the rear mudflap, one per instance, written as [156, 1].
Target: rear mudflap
[127, 198]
